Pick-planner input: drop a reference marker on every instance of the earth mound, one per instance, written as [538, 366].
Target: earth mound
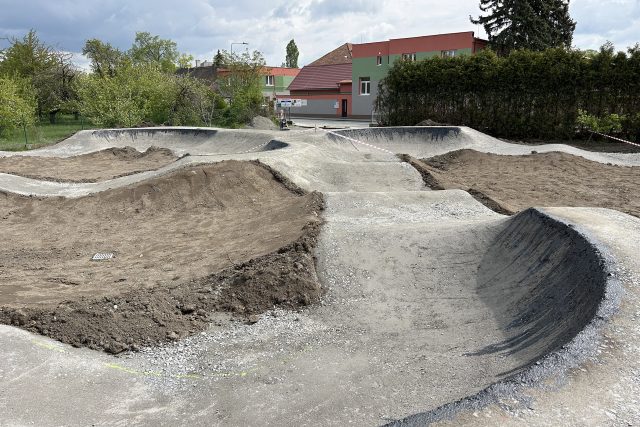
[229, 239]
[429, 122]
[262, 123]
[93, 167]
[509, 184]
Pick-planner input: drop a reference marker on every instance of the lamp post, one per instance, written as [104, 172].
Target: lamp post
[245, 43]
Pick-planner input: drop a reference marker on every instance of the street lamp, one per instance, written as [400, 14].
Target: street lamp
[245, 43]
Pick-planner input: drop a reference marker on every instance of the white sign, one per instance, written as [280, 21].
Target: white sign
[285, 102]
[298, 102]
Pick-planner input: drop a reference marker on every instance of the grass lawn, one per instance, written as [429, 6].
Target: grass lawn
[44, 133]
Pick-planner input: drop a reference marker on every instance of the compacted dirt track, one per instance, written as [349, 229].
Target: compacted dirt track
[509, 184]
[93, 167]
[231, 236]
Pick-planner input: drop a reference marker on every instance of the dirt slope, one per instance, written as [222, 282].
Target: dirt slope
[509, 184]
[231, 237]
[93, 167]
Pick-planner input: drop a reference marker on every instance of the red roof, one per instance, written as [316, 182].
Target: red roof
[318, 77]
[340, 55]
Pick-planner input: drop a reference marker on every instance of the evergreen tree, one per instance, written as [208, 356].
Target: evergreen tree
[292, 55]
[526, 24]
[218, 60]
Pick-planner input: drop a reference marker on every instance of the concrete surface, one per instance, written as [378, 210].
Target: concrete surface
[437, 310]
[335, 123]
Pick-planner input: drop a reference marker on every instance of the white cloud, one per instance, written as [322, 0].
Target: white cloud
[200, 27]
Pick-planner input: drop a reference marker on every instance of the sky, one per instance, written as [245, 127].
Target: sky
[201, 27]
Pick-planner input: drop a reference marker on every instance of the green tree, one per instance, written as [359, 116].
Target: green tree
[49, 71]
[218, 60]
[104, 57]
[195, 103]
[17, 104]
[185, 60]
[241, 85]
[292, 55]
[148, 49]
[137, 94]
[526, 24]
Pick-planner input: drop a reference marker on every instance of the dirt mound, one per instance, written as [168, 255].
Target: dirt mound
[429, 122]
[93, 167]
[262, 123]
[508, 184]
[231, 237]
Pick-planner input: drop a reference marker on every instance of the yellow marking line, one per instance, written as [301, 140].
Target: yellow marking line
[48, 346]
[121, 368]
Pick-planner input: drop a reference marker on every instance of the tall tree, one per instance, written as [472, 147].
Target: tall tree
[218, 60]
[292, 55]
[49, 71]
[104, 57]
[148, 49]
[526, 24]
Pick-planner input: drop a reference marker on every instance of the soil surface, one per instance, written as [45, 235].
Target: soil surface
[231, 237]
[508, 184]
[599, 145]
[93, 167]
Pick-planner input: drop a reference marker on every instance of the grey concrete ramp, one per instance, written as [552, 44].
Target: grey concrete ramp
[195, 141]
[429, 141]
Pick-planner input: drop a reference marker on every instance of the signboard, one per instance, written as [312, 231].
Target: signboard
[292, 103]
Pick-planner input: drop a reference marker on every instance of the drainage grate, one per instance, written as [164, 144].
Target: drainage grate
[102, 256]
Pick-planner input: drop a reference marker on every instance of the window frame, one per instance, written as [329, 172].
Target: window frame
[379, 60]
[409, 57]
[271, 78]
[363, 81]
[450, 53]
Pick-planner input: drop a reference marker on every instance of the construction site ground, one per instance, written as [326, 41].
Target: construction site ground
[340, 289]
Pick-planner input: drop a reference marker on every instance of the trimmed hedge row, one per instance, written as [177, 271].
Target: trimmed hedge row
[523, 95]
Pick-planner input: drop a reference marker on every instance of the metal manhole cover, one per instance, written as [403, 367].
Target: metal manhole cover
[102, 256]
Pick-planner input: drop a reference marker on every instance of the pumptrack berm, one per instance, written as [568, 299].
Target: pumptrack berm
[437, 309]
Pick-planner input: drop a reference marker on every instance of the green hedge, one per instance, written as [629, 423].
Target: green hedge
[523, 95]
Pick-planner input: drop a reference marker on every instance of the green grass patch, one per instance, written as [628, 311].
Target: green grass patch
[43, 134]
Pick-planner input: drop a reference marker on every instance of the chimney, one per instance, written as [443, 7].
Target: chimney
[197, 63]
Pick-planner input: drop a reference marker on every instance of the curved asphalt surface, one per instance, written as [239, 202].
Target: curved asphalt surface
[437, 310]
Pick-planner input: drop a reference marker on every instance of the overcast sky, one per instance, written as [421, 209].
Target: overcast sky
[200, 27]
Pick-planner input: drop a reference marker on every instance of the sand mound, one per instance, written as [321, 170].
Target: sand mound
[509, 184]
[93, 167]
[229, 237]
[428, 122]
[262, 123]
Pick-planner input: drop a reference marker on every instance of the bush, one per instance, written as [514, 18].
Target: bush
[144, 94]
[523, 95]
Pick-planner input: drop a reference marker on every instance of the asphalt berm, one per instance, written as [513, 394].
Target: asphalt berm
[509, 184]
[232, 237]
[93, 167]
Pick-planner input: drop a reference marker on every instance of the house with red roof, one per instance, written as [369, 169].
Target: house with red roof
[324, 86]
[344, 82]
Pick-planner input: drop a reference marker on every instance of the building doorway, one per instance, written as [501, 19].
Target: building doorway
[345, 109]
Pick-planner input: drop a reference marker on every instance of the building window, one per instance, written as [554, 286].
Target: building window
[365, 85]
[409, 56]
[448, 53]
[379, 60]
[268, 80]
